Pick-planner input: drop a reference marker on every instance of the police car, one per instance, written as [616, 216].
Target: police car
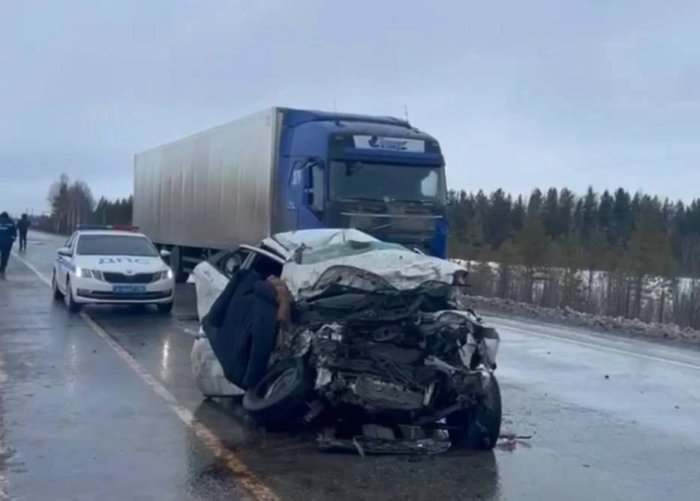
[112, 265]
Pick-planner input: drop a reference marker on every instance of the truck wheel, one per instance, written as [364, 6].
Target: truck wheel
[176, 265]
[72, 306]
[479, 426]
[277, 402]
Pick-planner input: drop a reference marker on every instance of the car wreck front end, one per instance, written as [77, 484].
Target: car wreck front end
[395, 364]
[369, 345]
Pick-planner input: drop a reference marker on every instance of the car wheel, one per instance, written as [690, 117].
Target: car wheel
[278, 401]
[479, 426]
[72, 306]
[57, 294]
[165, 308]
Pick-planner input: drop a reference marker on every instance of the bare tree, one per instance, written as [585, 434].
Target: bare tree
[81, 204]
[58, 199]
[71, 204]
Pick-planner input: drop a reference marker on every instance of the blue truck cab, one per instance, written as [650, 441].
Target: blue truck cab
[377, 174]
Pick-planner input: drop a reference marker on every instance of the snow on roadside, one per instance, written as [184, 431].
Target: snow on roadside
[569, 316]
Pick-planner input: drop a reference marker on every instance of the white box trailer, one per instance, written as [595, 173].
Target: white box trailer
[212, 189]
[284, 169]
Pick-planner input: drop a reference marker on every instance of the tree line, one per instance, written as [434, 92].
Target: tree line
[72, 203]
[615, 253]
[612, 253]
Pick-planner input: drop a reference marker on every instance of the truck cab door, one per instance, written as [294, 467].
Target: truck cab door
[308, 186]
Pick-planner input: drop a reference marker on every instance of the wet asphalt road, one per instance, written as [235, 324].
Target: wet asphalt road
[609, 418]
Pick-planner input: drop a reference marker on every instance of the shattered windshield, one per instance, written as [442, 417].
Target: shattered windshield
[351, 180]
[345, 249]
[341, 279]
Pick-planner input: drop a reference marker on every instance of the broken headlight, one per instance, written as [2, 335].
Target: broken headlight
[489, 345]
[459, 278]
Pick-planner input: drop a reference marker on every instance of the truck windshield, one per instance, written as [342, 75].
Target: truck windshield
[115, 245]
[350, 180]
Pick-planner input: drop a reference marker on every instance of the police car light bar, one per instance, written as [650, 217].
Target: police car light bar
[94, 227]
[125, 227]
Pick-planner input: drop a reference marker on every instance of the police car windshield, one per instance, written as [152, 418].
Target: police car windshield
[115, 245]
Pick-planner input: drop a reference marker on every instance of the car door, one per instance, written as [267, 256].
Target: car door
[65, 262]
[211, 276]
[265, 263]
[228, 263]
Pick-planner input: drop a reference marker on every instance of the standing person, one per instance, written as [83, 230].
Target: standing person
[8, 233]
[23, 227]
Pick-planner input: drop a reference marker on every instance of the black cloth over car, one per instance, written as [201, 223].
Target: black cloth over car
[242, 328]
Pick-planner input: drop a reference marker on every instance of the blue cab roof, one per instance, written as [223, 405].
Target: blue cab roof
[296, 117]
[307, 125]
[352, 123]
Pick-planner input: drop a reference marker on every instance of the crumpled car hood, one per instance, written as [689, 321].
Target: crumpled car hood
[400, 268]
[287, 242]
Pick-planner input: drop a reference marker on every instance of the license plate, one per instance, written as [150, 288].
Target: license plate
[129, 289]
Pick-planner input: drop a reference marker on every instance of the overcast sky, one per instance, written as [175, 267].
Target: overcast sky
[519, 93]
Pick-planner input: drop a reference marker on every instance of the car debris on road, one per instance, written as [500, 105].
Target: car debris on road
[360, 338]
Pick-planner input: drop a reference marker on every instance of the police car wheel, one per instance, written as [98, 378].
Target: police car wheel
[165, 308]
[57, 294]
[73, 307]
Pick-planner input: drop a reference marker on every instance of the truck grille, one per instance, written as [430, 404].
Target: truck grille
[138, 278]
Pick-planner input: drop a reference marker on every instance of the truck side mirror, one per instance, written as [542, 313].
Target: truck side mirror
[302, 167]
[316, 191]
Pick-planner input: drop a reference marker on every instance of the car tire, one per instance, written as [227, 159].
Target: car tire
[72, 306]
[57, 294]
[165, 308]
[479, 426]
[278, 401]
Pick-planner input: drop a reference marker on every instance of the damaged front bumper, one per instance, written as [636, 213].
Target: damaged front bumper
[380, 440]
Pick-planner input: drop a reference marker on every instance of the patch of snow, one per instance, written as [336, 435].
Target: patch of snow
[572, 317]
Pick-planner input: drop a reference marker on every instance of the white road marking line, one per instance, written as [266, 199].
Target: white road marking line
[3, 375]
[3, 487]
[243, 476]
[602, 347]
[3, 481]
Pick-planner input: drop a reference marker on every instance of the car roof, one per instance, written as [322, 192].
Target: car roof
[120, 233]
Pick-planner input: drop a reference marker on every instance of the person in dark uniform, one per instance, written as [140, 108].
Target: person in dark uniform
[8, 233]
[22, 228]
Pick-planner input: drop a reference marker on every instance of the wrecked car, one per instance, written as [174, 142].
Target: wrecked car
[363, 338]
